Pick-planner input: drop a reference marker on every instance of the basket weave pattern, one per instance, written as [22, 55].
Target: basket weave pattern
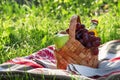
[73, 51]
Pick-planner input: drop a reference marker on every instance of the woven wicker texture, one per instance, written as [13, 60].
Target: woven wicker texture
[73, 51]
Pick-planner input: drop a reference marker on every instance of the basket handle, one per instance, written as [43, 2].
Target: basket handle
[72, 27]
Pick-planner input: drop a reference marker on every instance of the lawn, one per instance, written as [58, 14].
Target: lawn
[26, 27]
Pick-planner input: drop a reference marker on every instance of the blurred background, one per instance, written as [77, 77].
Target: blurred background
[27, 26]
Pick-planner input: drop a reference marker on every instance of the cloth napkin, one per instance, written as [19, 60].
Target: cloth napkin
[105, 68]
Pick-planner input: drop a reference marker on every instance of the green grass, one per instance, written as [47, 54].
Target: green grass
[26, 28]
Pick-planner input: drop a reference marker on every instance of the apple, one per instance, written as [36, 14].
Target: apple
[60, 40]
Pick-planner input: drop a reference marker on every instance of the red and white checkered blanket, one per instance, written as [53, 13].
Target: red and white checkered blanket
[43, 61]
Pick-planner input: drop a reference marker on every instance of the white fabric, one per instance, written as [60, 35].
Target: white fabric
[1, 68]
[105, 68]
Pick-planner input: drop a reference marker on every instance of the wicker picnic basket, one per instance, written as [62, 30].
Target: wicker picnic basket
[73, 52]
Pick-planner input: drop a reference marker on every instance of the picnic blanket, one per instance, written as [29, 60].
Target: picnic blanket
[41, 65]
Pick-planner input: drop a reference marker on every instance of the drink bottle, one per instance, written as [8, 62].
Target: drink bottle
[93, 26]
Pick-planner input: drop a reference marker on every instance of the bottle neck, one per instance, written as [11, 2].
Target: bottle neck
[93, 26]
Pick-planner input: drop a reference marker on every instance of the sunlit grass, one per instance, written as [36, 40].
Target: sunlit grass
[26, 29]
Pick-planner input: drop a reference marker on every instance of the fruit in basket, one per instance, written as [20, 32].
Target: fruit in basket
[60, 39]
[87, 38]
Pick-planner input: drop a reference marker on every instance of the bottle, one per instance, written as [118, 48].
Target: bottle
[93, 26]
